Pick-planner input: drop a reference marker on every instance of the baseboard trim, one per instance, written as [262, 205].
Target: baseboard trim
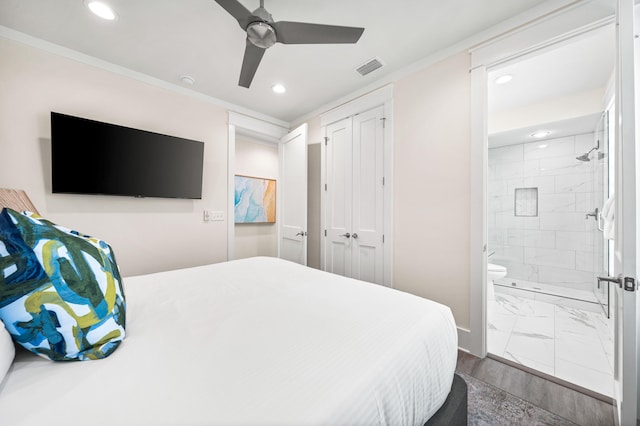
[464, 337]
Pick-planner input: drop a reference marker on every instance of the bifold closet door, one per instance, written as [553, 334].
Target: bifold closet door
[368, 196]
[355, 196]
[339, 189]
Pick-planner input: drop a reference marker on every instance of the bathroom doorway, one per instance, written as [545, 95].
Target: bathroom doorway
[548, 193]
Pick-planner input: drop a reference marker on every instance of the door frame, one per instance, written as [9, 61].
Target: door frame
[256, 128]
[380, 97]
[626, 233]
[566, 23]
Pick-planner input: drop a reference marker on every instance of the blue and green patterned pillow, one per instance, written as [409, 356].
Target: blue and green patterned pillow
[61, 294]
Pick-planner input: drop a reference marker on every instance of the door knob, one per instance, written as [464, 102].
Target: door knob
[355, 236]
[348, 235]
[301, 233]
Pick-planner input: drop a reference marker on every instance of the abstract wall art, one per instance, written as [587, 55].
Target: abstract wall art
[255, 200]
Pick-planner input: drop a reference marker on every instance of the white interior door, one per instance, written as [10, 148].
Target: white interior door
[368, 196]
[292, 196]
[354, 217]
[339, 197]
[626, 222]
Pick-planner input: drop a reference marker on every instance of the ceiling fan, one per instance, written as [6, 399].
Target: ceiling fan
[263, 32]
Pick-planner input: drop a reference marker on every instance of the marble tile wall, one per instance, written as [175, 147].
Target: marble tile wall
[559, 246]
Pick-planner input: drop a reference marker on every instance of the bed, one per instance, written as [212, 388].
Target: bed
[253, 341]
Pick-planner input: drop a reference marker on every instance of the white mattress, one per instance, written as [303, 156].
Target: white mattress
[254, 341]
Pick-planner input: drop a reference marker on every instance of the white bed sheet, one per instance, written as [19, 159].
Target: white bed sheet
[254, 341]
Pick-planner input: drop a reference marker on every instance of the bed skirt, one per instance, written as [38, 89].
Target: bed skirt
[454, 410]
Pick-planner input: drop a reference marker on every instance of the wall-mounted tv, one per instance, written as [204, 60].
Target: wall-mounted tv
[92, 157]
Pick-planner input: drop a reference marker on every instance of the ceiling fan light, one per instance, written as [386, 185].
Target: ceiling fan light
[101, 9]
[261, 35]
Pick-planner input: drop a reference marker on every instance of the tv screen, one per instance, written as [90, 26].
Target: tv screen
[91, 157]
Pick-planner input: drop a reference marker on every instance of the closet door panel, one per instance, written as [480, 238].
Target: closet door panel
[339, 197]
[368, 196]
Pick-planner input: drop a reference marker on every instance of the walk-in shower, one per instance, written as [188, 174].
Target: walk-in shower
[544, 214]
[544, 210]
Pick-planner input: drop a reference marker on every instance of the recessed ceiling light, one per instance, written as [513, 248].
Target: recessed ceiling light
[101, 9]
[278, 88]
[540, 134]
[187, 79]
[504, 79]
[544, 145]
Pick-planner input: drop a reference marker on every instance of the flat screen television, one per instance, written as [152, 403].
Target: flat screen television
[92, 157]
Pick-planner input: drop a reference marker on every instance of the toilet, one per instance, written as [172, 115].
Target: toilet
[494, 272]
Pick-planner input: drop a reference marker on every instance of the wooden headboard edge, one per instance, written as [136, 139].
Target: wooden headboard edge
[16, 199]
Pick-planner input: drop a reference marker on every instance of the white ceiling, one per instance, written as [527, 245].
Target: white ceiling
[580, 65]
[166, 39]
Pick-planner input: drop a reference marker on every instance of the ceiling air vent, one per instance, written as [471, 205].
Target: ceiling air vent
[369, 66]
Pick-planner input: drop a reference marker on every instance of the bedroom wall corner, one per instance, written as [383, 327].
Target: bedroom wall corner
[148, 234]
[432, 186]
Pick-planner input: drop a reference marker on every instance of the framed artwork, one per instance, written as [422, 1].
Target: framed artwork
[255, 200]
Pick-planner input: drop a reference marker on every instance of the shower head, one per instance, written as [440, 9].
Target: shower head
[585, 156]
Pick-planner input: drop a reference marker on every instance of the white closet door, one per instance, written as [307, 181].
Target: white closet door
[368, 196]
[339, 197]
[292, 238]
[354, 156]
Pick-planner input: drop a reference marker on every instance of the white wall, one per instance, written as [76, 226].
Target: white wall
[431, 184]
[257, 159]
[149, 234]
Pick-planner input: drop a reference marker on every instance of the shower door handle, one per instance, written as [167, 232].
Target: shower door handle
[609, 279]
[627, 283]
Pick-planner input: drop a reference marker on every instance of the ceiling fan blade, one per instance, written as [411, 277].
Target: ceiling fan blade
[238, 11]
[303, 33]
[252, 57]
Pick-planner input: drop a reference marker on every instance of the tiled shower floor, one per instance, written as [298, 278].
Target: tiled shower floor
[568, 343]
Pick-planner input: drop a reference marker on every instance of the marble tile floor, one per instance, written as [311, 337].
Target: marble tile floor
[565, 342]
